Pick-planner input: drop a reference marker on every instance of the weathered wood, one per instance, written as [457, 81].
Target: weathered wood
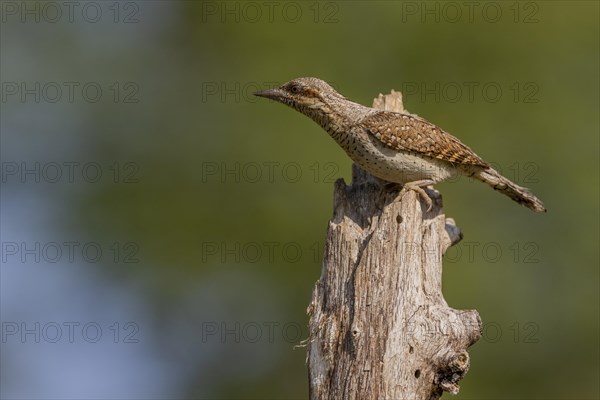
[379, 325]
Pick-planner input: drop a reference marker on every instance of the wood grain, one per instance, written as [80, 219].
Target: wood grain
[379, 325]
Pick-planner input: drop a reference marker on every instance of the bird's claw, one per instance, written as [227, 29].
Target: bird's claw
[420, 192]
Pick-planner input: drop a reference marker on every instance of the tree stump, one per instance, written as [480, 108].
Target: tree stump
[379, 325]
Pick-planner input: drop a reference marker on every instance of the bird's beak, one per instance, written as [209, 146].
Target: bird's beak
[273, 94]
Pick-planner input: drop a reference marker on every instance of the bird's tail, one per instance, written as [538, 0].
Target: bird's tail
[519, 194]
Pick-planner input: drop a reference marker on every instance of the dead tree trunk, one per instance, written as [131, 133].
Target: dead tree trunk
[379, 325]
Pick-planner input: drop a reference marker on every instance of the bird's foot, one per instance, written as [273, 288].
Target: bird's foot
[417, 186]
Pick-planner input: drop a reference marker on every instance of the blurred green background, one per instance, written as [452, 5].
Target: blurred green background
[211, 207]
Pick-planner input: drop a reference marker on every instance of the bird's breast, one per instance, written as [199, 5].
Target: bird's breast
[389, 164]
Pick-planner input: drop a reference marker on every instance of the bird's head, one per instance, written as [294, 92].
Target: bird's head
[310, 96]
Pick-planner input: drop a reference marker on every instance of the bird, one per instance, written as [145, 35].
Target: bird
[395, 147]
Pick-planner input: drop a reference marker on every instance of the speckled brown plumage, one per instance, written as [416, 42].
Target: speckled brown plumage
[395, 147]
[408, 133]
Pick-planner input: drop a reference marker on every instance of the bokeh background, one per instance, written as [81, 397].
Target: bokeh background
[162, 229]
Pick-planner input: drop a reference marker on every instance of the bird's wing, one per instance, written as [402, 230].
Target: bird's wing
[408, 133]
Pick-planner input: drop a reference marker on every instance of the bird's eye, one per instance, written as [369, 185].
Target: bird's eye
[295, 89]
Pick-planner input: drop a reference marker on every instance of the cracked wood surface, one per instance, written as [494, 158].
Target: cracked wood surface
[379, 325]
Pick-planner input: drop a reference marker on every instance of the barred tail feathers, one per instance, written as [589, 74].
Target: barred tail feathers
[503, 185]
